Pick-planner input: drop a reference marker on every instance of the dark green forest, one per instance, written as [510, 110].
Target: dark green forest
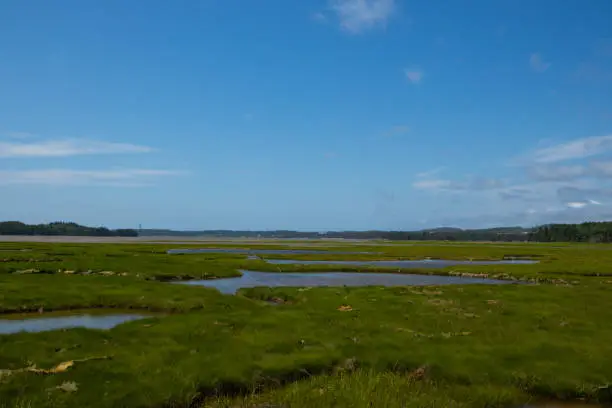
[62, 228]
[585, 232]
[438, 234]
[594, 232]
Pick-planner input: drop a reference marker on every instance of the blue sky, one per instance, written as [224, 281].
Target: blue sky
[311, 115]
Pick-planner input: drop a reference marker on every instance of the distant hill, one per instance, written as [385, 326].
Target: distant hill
[62, 228]
[443, 233]
[443, 229]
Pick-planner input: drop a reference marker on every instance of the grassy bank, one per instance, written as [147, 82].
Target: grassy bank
[366, 388]
[152, 262]
[57, 292]
[473, 346]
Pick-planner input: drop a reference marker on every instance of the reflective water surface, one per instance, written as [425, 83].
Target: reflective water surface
[262, 251]
[423, 263]
[251, 279]
[37, 322]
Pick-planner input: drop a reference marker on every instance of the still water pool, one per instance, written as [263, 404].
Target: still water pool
[263, 251]
[251, 279]
[39, 322]
[423, 263]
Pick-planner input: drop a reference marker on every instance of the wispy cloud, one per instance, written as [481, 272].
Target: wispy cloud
[594, 196]
[531, 217]
[70, 177]
[356, 16]
[563, 182]
[432, 184]
[576, 149]
[577, 204]
[596, 169]
[429, 173]
[414, 75]
[19, 135]
[557, 173]
[319, 17]
[554, 183]
[522, 193]
[602, 169]
[66, 147]
[477, 184]
[537, 63]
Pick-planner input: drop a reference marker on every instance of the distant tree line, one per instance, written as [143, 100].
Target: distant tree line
[62, 228]
[585, 232]
[439, 234]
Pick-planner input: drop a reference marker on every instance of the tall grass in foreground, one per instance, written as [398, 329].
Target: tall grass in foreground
[364, 388]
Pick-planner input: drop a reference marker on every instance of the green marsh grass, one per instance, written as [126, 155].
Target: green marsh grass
[366, 389]
[481, 345]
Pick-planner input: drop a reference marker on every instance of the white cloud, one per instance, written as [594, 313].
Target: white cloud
[557, 173]
[576, 149]
[594, 195]
[529, 217]
[522, 193]
[356, 16]
[582, 204]
[546, 192]
[116, 177]
[429, 173]
[537, 62]
[546, 172]
[477, 184]
[414, 75]
[67, 147]
[565, 182]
